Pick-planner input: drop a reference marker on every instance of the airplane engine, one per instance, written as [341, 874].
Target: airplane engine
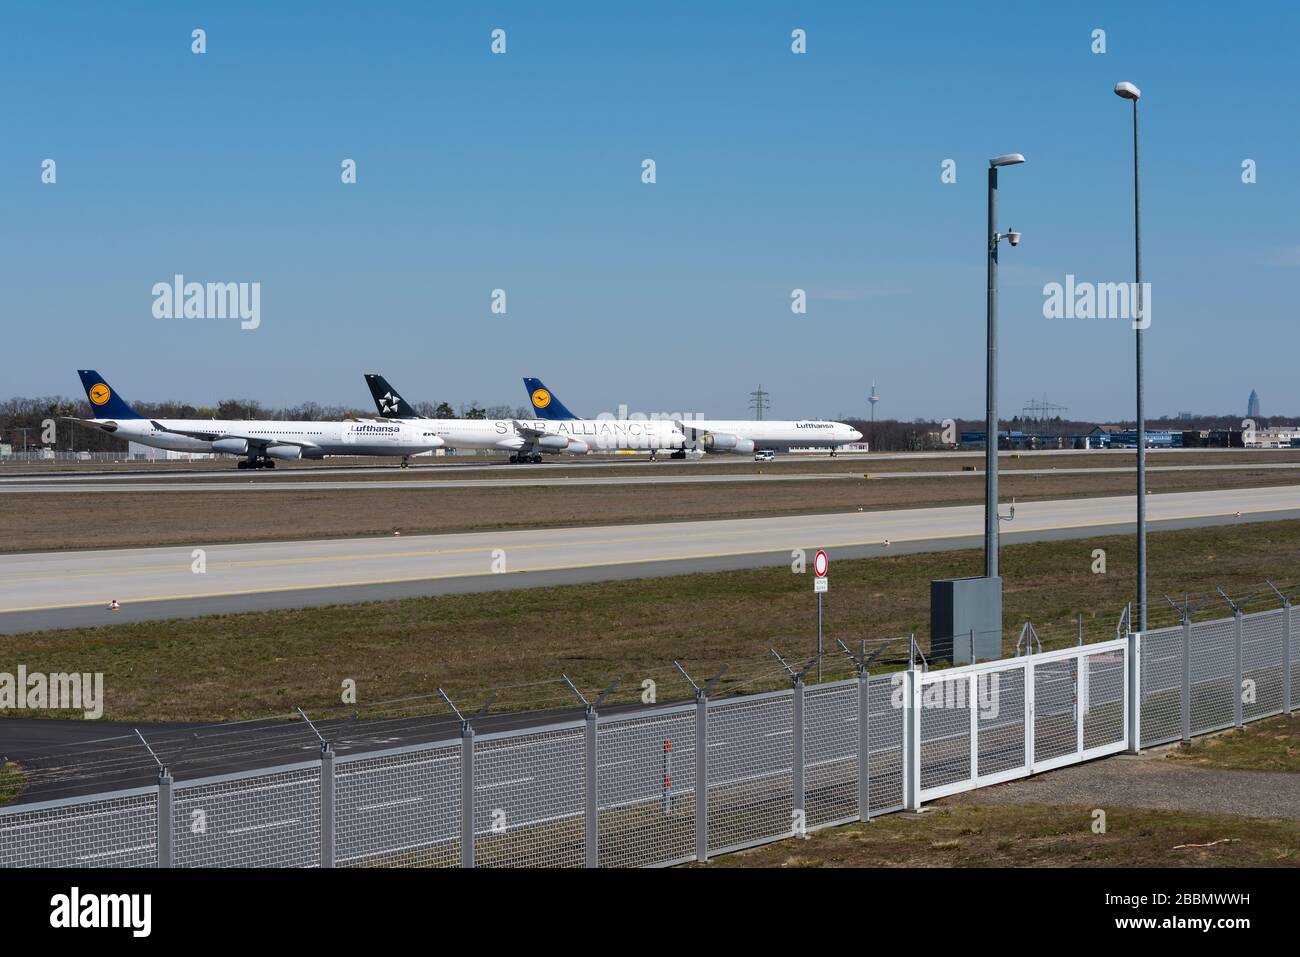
[553, 443]
[577, 447]
[286, 452]
[231, 446]
[723, 442]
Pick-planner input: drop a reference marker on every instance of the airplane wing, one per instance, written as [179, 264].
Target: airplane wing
[258, 440]
[528, 431]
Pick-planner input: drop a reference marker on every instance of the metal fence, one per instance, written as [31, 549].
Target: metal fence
[665, 785]
[1200, 677]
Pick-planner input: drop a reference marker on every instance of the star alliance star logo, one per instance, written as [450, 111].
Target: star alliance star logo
[389, 403]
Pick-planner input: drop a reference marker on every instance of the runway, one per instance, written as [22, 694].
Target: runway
[72, 589]
[398, 482]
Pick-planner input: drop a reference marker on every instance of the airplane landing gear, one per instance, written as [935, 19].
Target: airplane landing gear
[406, 461]
[253, 462]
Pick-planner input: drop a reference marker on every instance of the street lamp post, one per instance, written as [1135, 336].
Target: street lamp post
[1130, 92]
[991, 385]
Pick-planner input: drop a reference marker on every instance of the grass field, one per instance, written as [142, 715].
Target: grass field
[237, 666]
[11, 781]
[42, 521]
[953, 834]
[1271, 745]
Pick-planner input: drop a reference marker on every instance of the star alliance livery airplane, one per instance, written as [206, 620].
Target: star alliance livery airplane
[738, 437]
[258, 442]
[527, 439]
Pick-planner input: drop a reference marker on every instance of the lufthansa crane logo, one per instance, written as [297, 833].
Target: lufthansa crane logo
[541, 399]
[99, 393]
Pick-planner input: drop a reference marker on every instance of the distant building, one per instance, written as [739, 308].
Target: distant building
[1160, 439]
[1252, 405]
[1279, 437]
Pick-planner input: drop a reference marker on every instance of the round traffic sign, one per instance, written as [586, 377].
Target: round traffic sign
[821, 564]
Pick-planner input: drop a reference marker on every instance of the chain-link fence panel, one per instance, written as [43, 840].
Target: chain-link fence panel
[885, 738]
[529, 799]
[1261, 664]
[751, 791]
[1000, 720]
[1162, 682]
[1103, 681]
[260, 820]
[399, 810]
[945, 731]
[1056, 731]
[1295, 657]
[646, 785]
[830, 734]
[120, 831]
[1214, 675]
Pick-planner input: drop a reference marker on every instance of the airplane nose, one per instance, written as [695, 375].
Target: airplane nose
[856, 434]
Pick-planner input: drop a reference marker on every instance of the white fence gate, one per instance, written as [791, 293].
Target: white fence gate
[987, 723]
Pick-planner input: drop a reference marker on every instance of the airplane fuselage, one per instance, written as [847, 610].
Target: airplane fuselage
[311, 439]
[777, 435]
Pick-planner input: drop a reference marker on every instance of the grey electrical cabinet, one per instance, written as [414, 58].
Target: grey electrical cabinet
[966, 619]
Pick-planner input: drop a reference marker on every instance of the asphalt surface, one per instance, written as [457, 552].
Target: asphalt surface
[1150, 781]
[74, 588]
[68, 758]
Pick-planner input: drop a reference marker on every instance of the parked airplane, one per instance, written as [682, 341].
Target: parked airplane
[258, 442]
[528, 439]
[739, 437]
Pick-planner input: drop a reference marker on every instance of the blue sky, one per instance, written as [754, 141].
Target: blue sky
[775, 171]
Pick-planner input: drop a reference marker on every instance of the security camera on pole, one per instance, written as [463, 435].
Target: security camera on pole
[821, 585]
[973, 606]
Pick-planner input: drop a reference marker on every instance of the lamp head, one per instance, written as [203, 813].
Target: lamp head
[1011, 159]
[1128, 91]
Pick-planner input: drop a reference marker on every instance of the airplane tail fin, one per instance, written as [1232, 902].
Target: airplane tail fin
[387, 401]
[104, 402]
[544, 402]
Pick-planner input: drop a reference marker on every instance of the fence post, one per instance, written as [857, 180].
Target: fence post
[1185, 695]
[1030, 685]
[701, 776]
[166, 855]
[1236, 698]
[593, 798]
[1287, 665]
[466, 795]
[912, 738]
[864, 746]
[1134, 693]
[798, 818]
[327, 818]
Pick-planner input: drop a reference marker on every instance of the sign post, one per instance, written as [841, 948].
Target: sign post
[821, 585]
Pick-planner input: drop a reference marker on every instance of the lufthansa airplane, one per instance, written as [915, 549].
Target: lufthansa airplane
[738, 437]
[258, 442]
[528, 439]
